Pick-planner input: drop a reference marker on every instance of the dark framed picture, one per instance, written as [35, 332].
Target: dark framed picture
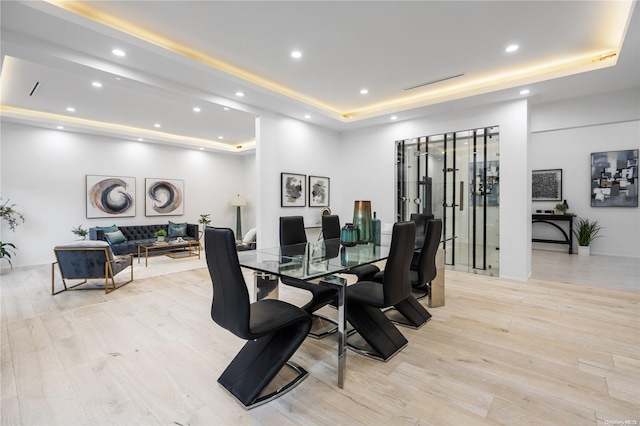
[546, 185]
[318, 191]
[111, 196]
[614, 178]
[164, 197]
[292, 190]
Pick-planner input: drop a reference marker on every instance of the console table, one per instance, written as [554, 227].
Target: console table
[551, 219]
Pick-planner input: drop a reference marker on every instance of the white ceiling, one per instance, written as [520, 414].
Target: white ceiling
[182, 54]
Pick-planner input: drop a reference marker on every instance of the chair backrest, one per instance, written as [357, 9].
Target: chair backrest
[330, 227]
[427, 260]
[230, 306]
[292, 230]
[397, 279]
[421, 221]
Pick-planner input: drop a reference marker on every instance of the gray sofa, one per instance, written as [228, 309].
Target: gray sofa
[139, 234]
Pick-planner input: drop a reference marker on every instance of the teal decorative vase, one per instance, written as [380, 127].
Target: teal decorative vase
[362, 221]
[376, 229]
[349, 235]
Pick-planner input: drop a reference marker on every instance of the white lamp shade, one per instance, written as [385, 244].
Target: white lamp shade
[238, 200]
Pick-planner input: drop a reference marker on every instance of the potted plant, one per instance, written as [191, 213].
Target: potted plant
[8, 213]
[6, 250]
[205, 220]
[80, 232]
[561, 208]
[14, 218]
[160, 234]
[586, 231]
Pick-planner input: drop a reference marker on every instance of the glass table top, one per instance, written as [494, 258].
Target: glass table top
[311, 260]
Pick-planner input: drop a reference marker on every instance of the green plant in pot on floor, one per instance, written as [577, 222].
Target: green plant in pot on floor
[6, 250]
[585, 232]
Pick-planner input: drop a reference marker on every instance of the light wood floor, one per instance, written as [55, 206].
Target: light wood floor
[499, 352]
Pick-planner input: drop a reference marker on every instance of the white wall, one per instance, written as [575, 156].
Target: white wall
[371, 174]
[249, 180]
[287, 145]
[564, 136]
[43, 172]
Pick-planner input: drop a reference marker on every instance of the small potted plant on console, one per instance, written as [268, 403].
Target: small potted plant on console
[561, 208]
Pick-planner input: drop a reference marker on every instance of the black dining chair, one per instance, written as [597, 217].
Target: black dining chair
[365, 299]
[421, 220]
[331, 231]
[292, 243]
[273, 329]
[409, 312]
[425, 271]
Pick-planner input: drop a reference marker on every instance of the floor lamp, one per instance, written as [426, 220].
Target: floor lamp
[238, 201]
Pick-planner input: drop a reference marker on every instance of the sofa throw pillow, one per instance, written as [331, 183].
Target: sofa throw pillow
[105, 229]
[115, 237]
[250, 236]
[177, 229]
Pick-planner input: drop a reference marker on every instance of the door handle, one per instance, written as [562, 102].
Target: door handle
[461, 195]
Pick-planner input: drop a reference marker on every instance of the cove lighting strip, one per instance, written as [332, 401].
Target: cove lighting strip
[133, 132]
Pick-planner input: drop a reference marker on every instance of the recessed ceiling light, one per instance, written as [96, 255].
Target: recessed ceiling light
[196, 109]
[71, 109]
[307, 116]
[511, 48]
[240, 94]
[156, 125]
[118, 52]
[220, 137]
[296, 54]
[201, 149]
[60, 128]
[394, 117]
[140, 140]
[364, 91]
[226, 109]
[525, 92]
[118, 78]
[96, 84]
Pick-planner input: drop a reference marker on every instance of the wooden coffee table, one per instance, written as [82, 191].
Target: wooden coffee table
[172, 249]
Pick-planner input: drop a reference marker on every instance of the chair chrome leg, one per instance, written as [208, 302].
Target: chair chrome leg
[421, 292]
[268, 394]
[356, 343]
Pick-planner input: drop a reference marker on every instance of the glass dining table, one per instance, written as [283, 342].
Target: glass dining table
[316, 262]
